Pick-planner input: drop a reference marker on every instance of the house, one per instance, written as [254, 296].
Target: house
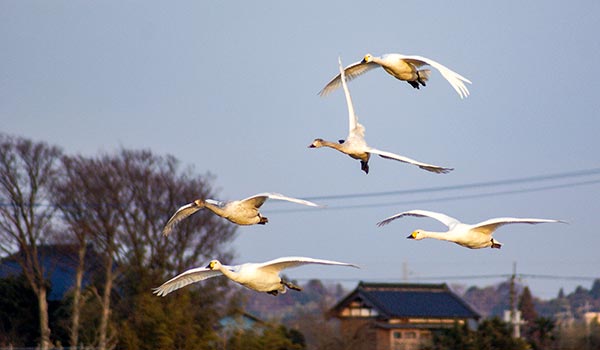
[398, 316]
[238, 320]
[59, 262]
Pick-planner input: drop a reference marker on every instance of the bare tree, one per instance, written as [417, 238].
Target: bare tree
[93, 212]
[27, 171]
[118, 204]
[77, 230]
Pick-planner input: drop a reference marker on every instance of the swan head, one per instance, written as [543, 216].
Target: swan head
[368, 58]
[316, 143]
[417, 234]
[214, 265]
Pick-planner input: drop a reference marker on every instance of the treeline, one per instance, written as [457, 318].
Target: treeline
[109, 209]
[493, 300]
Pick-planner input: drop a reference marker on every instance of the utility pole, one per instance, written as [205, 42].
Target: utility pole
[515, 317]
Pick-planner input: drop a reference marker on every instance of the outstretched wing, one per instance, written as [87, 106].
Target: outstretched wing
[258, 199]
[489, 226]
[185, 278]
[424, 166]
[443, 218]
[456, 80]
[279, 264]
[352, 119]
[181, 213]
[351, 72]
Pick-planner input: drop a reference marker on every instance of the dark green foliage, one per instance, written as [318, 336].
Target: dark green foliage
[491, 334]
[541, 333]
[266, 337]
[19, 324]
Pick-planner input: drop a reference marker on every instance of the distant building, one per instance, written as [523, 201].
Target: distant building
[513, 318]
[239, 320]
[59, 262]
[591, 317]
[399, 316]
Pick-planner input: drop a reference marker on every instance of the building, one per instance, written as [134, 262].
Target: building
[59, 262]
[399, 316]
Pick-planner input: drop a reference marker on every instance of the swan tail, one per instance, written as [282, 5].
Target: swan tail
[423, 76]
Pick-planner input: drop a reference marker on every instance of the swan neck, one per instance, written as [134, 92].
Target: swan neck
[436, 235]
[228, 273]
[214, 208]
[330, 144]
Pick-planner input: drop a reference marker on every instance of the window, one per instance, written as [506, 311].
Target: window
[358, 308]
[410, 335]
[397, 335]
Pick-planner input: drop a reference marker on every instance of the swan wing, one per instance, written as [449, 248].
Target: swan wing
[351, 72]
[489, 226]
[185, 278]
[443, 218]
[181, 213]
[258, 199]
[352, 119]
[424, 166]
[456, 80]
[276, 265]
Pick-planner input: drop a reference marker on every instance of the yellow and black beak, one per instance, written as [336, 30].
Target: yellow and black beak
[412, 235]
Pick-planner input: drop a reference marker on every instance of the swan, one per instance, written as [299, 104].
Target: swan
[401, 67]
[261, 277]
[471, 236]
[241, 212]
[355, 145]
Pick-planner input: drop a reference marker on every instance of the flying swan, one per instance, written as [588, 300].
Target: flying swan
[355, 145]
[471, 236]
[401, 67]
[261, 277]
[241, 212]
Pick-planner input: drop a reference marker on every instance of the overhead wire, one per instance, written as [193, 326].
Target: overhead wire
[468, 186]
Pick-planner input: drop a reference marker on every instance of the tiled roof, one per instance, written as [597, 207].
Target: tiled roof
[410, 300]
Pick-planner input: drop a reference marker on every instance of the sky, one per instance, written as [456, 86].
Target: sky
[230, 88]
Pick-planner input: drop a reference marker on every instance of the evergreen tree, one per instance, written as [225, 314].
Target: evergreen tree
[526, 306]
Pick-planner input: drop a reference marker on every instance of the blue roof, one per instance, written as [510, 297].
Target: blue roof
[59, 263]
[398, 300]
[434, 304]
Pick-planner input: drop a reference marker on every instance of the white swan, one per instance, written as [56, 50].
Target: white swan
[261, 277]
[241, 212]
[471, 236]
[355, 145]
[401, 67]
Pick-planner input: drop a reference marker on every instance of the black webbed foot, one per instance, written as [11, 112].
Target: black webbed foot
[364, 166]
[496, 245]
[290, 285]
[414, 84]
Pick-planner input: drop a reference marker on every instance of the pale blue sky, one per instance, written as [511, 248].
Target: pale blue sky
[231, 88]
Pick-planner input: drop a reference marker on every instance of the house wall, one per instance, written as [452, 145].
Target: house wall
[361, 334]
[408, 339]
[358, 333]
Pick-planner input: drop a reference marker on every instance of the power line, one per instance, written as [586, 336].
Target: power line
[537, 178]
[469, 196]
[450, 198]
[458, 277]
